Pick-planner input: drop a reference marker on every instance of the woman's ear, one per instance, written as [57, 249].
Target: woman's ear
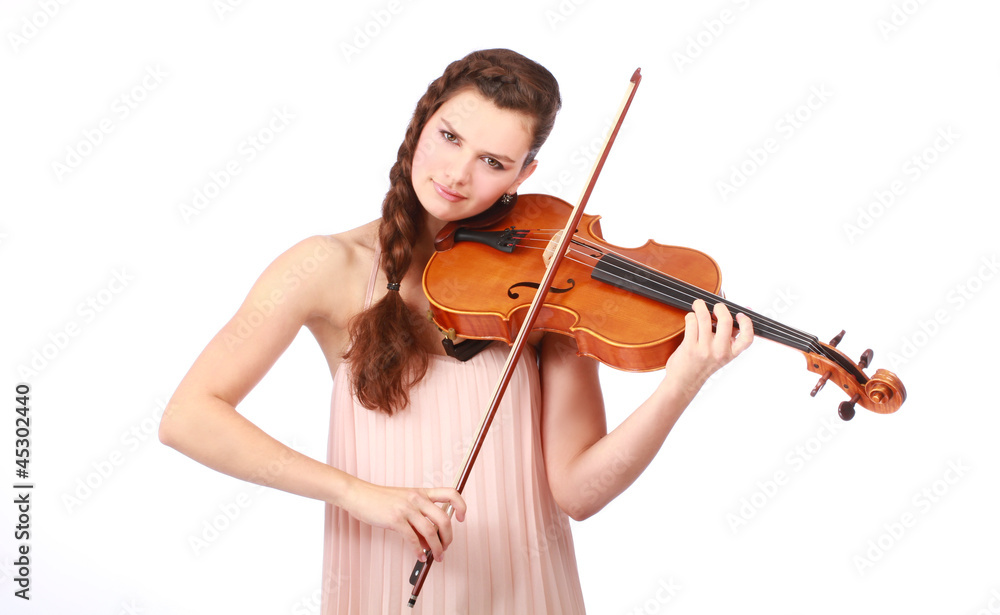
[523, 175]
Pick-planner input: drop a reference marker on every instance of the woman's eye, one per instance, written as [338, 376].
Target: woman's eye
[448, 136]
[493, 162]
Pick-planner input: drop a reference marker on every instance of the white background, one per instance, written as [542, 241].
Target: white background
[803, 239]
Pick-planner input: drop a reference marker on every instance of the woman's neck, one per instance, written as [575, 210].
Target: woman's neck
[432, 226]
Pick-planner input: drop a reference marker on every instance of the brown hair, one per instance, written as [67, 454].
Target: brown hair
[384, 357]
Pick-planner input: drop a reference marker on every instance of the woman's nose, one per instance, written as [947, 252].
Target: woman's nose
[458, 169]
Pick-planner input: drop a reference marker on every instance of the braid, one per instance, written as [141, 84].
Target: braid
[385, 356]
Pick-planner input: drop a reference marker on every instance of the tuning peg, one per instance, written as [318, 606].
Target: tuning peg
[846, 409]
[819, 385]
[822, 381]
[866, 359]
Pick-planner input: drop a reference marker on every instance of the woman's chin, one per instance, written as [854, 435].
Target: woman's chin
[445, 214]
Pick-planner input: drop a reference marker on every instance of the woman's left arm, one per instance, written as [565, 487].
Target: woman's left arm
[587, 467]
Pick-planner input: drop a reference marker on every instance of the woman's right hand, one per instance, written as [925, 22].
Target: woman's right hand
[412, 513]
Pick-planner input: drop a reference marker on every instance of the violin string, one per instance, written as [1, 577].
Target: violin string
[687, 293]
[762, 325]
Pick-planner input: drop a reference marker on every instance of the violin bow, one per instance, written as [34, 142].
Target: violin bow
[420, 569]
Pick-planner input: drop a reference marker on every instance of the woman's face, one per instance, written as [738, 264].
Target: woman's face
[470, 152]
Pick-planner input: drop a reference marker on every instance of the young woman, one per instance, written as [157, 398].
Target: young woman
[403, 413]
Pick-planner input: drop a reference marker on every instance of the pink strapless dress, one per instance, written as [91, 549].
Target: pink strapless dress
[514, 551]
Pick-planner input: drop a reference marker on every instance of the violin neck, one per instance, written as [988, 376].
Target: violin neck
[651, 284]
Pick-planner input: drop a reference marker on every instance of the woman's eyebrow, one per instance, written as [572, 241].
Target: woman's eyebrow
[500, 157]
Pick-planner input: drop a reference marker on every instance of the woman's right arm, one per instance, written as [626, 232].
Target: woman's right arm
[201, 420]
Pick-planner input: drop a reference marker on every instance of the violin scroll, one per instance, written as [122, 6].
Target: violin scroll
[883, 393]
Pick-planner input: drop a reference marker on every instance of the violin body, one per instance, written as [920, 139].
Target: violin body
[624, 307]
[614, 326]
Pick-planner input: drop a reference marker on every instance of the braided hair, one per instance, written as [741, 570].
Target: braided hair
[385, 361]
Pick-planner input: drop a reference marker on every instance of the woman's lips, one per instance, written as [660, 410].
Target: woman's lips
[447, 194]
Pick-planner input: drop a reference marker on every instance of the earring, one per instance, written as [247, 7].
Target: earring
[506, 198]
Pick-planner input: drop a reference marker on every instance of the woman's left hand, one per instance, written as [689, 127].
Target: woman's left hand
[704, 350]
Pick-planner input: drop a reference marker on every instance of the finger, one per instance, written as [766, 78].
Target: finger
[414, 540]
[442, 522]
[450, 496]
[690, 328]
[429, 533]
[723, 323]
[458, 503]
[704, 320]
[744, 339]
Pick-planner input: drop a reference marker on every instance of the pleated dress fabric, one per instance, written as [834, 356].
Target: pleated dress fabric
[514, 551]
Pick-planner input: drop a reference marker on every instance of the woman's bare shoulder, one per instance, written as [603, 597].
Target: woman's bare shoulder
[332, 270]
[359, 239]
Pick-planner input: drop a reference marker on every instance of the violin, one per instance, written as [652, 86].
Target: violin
[624, 307]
